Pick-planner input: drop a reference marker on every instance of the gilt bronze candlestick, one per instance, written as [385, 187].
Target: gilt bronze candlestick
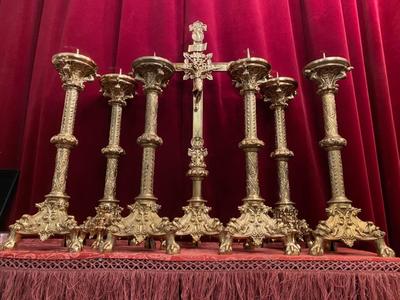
[278, 92]
[254, 223]
[52, 218]
[197, 66]
[143, 221]
[118, 88]
[342, 223]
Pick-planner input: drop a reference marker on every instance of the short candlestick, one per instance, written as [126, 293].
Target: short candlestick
[118, 88]
[279, 91]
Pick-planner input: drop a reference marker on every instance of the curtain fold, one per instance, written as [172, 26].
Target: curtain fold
[289, 34]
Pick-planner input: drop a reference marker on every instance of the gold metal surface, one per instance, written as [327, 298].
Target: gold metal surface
[342, 223]
[118, 88]
[52, 217]
[254, 223]
[279, 91]
[197, 66]
[143, 221]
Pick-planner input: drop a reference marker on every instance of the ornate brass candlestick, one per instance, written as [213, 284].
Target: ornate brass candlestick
[279, 91]
[52, 217]
[197, 66]
[118, 88]
[143, 221]
[342, 223]
[254, 223]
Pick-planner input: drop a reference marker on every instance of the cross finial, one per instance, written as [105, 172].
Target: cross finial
[197, 29]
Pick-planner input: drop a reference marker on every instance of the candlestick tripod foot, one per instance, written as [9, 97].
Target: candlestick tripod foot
[343, 224]
[225, 245]
[254, 225]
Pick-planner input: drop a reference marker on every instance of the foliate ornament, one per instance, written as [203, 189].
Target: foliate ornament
[326, 72]
[197, 155]
[153, 71]
[248, 73]
[74, 69]
[342, 223]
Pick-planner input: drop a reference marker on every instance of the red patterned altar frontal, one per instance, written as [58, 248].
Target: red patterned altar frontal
[47, 271]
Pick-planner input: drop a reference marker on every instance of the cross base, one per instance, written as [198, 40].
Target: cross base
[196, 222]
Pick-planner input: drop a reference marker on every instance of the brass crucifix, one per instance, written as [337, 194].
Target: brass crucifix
[197, 66]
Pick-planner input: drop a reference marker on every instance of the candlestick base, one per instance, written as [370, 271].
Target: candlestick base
[51, 219]
[254, 225]
[196, 222]
[107, 214]
[288, 215]
[344, 225]
[141, 223]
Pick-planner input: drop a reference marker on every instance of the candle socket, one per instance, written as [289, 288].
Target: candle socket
[143, 222]
[279, 91]
[52, 217]
[197, 66]
[254, 223]
[118, 88]
[342, 222]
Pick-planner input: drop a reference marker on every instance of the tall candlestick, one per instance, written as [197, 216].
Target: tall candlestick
[118, 88]
[143, 222]
[342, 223]
[197, 66]
[52, 218]
[254, 223]
[278, 92]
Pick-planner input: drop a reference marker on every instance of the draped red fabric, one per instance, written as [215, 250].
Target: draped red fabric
[288, 33]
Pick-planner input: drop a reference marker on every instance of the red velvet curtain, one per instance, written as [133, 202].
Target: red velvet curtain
[288, 33]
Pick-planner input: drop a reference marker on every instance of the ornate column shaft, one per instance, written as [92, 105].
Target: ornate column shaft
[118, 88]
[279, 92]
[143, 221]
[197, 66]
[251, 144]
[342, 223]
[149, 141]
[254, 223]
[52, 217]
[64, 141]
